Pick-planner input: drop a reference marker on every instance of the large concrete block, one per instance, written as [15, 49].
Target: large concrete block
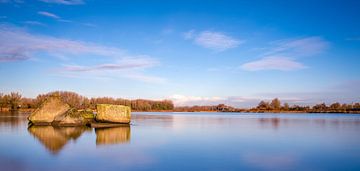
[52, 107]
[113, 113]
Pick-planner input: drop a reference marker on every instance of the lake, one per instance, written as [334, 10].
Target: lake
[187, 141]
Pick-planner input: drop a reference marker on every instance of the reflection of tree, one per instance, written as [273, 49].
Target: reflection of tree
[55, 138]
[114, 135]
[12, 119]
[275, 122]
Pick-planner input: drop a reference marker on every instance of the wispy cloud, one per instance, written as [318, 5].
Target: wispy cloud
[13, 56]
[48, 14]
[64, 2]
[59, 19]
[217, 41]
[18, 45]
[108, 72]
[89, 24]
[17, 42]
[283, 55]
[36, 23]
[273, 63]
[123, 64]
[307, 46]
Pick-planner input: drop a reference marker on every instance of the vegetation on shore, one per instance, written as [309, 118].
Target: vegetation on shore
[15, 101]
[275, 106]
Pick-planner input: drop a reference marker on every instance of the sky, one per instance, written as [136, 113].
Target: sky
[191, 52]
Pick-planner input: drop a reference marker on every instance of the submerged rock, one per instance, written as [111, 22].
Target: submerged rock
[52, 107]
[113, 113]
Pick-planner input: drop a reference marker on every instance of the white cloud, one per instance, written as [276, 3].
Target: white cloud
[273, 63]
[181, 100]
[64, 2]
[283, 55]
[48, 14]
[212, 40]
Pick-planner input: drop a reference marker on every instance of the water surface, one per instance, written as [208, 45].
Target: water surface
[187, 141]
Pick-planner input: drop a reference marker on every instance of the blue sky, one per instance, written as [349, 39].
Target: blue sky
[193, 52]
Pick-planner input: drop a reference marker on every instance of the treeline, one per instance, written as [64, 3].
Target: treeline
[276, 106]
[215, 108]
[15, 101]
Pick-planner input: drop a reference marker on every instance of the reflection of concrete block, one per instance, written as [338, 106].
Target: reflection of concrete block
[113, 113]
[55, 138]
[115, 135]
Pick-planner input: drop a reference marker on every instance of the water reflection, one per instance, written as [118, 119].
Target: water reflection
[216, 141]
[12, 120]
[273, 121]
[115, 135]
[55, 138]
[277, 122]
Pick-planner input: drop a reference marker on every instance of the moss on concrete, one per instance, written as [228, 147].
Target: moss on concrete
[113, 113]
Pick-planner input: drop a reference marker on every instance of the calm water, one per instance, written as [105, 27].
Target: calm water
[187, 141]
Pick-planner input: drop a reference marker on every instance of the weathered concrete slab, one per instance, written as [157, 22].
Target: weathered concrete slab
[71, 118]
[113, 113]
[52, 107]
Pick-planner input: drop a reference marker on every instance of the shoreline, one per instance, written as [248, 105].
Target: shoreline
[258, 112]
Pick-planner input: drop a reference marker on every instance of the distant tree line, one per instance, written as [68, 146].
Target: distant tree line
[276, 106]
[215, 108]
[15, 101]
